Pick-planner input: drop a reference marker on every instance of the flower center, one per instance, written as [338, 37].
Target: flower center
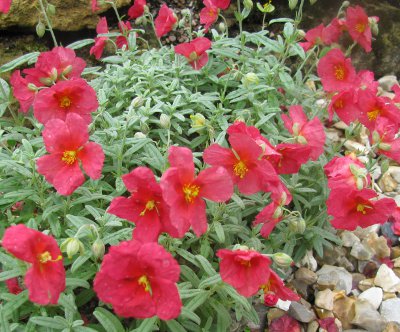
[65, 102]
[360, 27]
[338, 104]
[46, 257]
[69, 157]
[190, 191]
[150, 205]
[240, 169]
[362, 208]
[245, 262]
[193, 56]
[372, 115]
[339, 72]
[145, 283]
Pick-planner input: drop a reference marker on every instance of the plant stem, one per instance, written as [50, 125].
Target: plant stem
[112, 3]
[48, 22]
[154, 29]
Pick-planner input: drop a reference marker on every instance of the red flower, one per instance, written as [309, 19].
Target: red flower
[100, 42]
[67, 143]
[242, 162]
[145, 207]
[209, 14]
[347, 172]
[5, 6]
[124, 28]
[139, 280]
[13, 286]
[245, 270]
[137, 9]
[328, 324]
[356, 208]
[310, 133]
[285, 324]
[269, 217]
[165, 21]
[322, 35]
[395, 219]
[344, 104]
[291, 157]
[358, 26]
[396, 90]
[221, 4]
[45, 279]
[195, 51]
[95, 6]
[63, 98]
[373, 107]
[384, 136]
[24, 90]
[336, 71]
[183, 192]
[274, 289]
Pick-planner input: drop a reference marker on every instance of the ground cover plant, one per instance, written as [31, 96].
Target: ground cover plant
[172, 188]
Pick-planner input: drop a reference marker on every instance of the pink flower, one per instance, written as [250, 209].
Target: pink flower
[285, 324]
[137, 9]
[100, 42]
[245, 270]
[310, 133]
[165, 21]
[95, 6]
[384, 136]
[358, 26]
[322, 35]
[45, 279]
[290, 157]
[124, 28]
[145, 207]
[208, 14]
[274, 289]
[5, 6]
[221, 4]
[13, 286]
[195, 51]
[24, 90]
[352, 208]
[63, 98]
[139, 281]
[67, 143]
[336, 71]
[184, 192]
[344, 104]
[269, 217]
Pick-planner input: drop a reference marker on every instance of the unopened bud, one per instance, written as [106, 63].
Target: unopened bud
[53, 74]
[222, 27]
[32, 87]
[185, 12]
[293, 4]
[248, 4]
[373, 23]
[144, 128]
[198, 120]
[301, 33]
[345, 4]
[137, 102]
[384, 146]
[139, 134]
[72, 246]
[146, 9]
[282, 259]
[301, 139]
[165, 121]
[360, 183]
[375, 137]
[297, 225]
[250, 79]
[98, 249]
[51, 9]
[40, 29]
[278, 213]
[67, 70]
[46, 81]
[296, 128]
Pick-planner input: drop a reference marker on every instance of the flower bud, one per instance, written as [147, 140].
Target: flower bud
[185, 12]
[139, 134]
[144, 127]
[67, 70]
[375, 137]
[32, 87]
[293, 4]
[71, 246]
[46, 81]
[301, 33]
[296, 128]
[250, 79]
[165, 121]
[301, 139]
[278, 213]
[297, 225]
[40, 29]
[345, 4]
[222, 27]
[98, 249]
[282, 259]
[359, 183]
[198, 120]
[53, 74]
[373, 23]
[384, 146]
[248, 4]
[51, 9]
[137, 102]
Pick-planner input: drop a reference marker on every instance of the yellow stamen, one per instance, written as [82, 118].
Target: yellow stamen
[69, 157]
[240, 169]
[361, 208]
[372, 115]
[360, 27]
[145, 283]
[190, 191]
[193, 56]
[46, 257]
[339, 72]
[150, 205]
[338, 104]
[245, 262]
[65, 102]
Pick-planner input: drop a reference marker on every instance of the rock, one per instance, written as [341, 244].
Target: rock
[387, 183]
[274, 313]
[373, 295]
[389, 295]
[323, 313]
[362, 233]
[357, 277]
[367, 317]
[349, 239]
[394, 171]
[313, 326]
[354, 330]
[378, 244]
[332, 256]
[387, 232]
[366, 284]
[353, 146]
[386, 82]
[324, 299]
[333, 135]
[71, 15]
[396, 271]
[361, 252]
[301, 287]
[390, 310]
[344, 262]
[387, 279]
[370, 269]
[301, 313]
[392, 327]
[344, 310]
[305, 275]
[337, 276]
[309, 261]
[395, 252]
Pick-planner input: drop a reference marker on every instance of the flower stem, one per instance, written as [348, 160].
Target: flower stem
[48, 22]
[154, 29]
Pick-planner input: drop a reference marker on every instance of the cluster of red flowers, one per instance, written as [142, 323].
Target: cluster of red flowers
[209, 14]
[5, 6]
[63, 102]
[356, 23]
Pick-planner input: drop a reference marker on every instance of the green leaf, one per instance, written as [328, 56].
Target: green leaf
[110, 322]
[19, 61]
[77, 282]
[10, 274]
[80, 43]
[4, 324]
[174, 326]
[148, 325]
[57, 322]
[219, 230]
[197, 301]
[206, 265]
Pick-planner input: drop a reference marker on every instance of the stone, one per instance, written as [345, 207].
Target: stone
[344, 310]
[328, 274]
[71, 15]
[301, 313]
[313, 326]
[344, 262]
[386, 82]
[389, 295]
[362, 233]
[357, 277]
[396, 271]
[274, 313]
[387, 231]
[392, 327]
[373, 295]
[395, 252]
[365, 284]
[396, 262]
[309, 261]
[333, 135]
[394, 171]
[361, 252]
[387, 279]
[390, 310]
[378, 244]
[323, 313]
[324, 299]
[349, 239]
[353, 146]
[301, 287]
[387, 183]
[367, 317]
[370, 269]
[305, 275]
